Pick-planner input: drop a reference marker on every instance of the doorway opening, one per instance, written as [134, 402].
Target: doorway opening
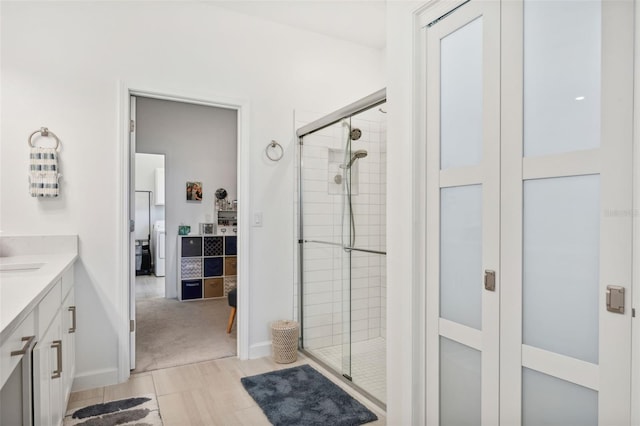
[174, 145]
[150, 241]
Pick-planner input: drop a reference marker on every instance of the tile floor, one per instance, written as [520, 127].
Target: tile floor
[207, 393]
[149, 287]
[368, 364]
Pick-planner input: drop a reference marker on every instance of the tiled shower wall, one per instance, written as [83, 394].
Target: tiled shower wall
[325, 207]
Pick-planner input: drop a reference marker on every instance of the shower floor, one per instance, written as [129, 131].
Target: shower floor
[368, 364]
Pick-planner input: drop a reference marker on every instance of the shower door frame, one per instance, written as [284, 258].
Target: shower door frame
[366, 103]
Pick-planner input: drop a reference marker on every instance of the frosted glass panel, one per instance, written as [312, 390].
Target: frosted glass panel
[551, 401]
[461, 97]
[459, 384]
[561, 76]
[461, 255]
[561, 265]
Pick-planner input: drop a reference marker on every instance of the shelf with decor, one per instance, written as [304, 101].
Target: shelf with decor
[207, 266]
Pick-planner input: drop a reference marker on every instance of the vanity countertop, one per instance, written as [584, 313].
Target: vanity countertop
[24, 281]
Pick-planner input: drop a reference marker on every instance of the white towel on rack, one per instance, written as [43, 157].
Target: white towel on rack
[43, 176]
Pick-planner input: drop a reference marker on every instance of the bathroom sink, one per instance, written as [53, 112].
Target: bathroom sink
[20, 267]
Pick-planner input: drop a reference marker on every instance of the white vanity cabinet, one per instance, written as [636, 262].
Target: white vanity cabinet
[68, 313]
[47, 377]
[15, 374]
[54, 354]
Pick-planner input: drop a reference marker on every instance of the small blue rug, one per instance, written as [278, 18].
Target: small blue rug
[303, 396]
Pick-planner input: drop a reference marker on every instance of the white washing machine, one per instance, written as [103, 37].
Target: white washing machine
[158, 248]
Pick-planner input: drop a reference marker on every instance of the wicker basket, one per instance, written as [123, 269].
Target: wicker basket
[284, 338]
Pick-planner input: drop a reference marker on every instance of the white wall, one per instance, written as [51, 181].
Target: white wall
[146, 165]
[200, 145]
[62, 67]
[404, 341]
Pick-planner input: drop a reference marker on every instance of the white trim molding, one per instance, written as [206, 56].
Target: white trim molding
[635, 286]
[94, 379]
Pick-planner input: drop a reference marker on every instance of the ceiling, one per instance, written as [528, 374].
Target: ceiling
[357, 21]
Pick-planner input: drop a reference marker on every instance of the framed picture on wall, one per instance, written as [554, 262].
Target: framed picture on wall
[194, 191]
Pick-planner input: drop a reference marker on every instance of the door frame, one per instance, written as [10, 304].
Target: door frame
[125, 91]
[635, 289]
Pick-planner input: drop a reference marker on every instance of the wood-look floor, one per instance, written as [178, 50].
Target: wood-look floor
[206, 393]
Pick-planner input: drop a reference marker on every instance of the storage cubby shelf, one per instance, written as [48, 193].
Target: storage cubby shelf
[207, 266]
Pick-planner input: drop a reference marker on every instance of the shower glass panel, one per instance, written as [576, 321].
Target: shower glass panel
[343, 246]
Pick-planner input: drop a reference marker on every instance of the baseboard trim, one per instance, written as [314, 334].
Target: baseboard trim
[95, 379]
[259, 350]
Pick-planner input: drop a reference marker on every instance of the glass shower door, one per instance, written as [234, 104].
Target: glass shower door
[342, 233]
[325, 275]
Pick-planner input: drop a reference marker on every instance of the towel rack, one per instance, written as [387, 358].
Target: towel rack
[44, 132]
[276, 153]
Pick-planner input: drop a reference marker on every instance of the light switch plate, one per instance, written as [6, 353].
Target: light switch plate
[257, 219]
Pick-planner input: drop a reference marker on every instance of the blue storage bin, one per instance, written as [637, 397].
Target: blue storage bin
[230, 245]
[213, 246]
[191, 289]
[191, 246]
[213, 267]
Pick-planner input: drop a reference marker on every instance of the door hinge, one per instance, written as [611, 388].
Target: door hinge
[132, 225]
[633, 312]
[132, 325]
[132, 125]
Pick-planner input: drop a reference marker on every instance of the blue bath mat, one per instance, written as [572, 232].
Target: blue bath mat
[303, 396]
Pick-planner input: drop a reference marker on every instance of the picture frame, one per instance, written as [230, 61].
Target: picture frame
[194, 191]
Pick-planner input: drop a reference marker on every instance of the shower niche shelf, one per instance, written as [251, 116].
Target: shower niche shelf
[207, 266]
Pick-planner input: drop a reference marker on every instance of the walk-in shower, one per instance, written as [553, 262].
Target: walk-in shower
[342, 243]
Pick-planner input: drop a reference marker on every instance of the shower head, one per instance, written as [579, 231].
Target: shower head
[361, 153]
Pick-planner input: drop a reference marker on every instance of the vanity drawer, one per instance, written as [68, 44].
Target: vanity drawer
[15, 343]
[48, 307]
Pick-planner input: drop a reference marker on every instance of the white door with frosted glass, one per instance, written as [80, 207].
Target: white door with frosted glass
[463, 130]
[558, 170]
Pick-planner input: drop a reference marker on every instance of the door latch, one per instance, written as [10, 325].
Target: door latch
[615, 299]
[489, 280]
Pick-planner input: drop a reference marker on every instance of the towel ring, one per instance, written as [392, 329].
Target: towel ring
[274, 156]
[45, 132]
